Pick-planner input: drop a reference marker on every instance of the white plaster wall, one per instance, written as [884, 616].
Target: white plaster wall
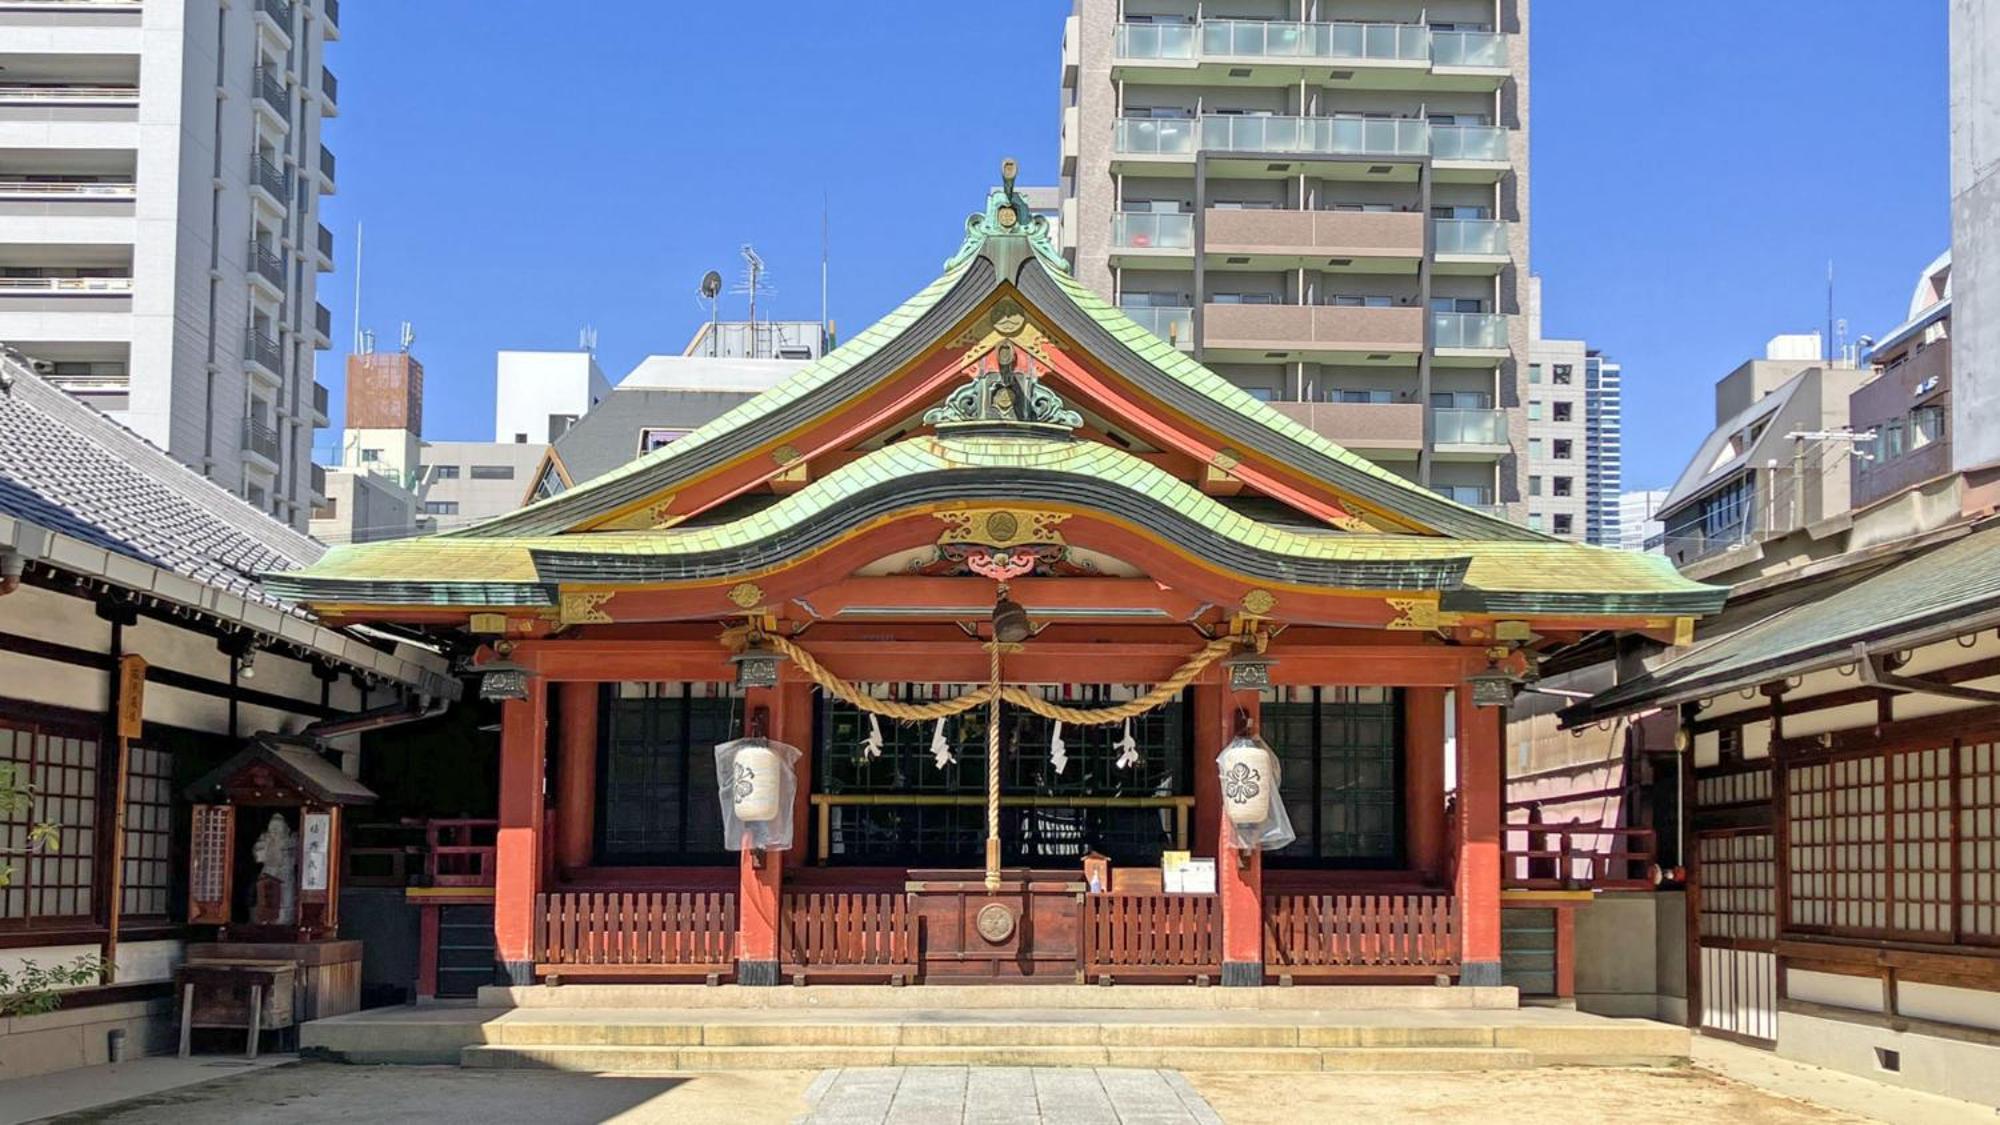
[1952, 1067]
[138, 961]
[1836, 989]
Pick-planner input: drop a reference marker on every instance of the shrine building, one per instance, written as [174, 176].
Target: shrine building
[1029, 591]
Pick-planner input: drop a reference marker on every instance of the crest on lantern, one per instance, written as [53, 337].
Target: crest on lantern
[1250, 798]
[756, 782]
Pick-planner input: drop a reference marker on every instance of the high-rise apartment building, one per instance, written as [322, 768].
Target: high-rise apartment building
[1325, 201]
[160, 176]
[1574, 442]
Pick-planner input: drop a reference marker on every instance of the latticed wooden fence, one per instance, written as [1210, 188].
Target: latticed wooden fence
[1360, 934]
[664, 934]
[1142, 934]
[848, 934]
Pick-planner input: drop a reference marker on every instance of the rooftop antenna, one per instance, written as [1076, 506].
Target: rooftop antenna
[711, 285]
[367, 342]
[405, 337]
[586, 339]
[1826, 348]
[753, 282]
[824, 209]
[357, 290]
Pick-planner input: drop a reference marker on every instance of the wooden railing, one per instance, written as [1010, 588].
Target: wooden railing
[848, 934]
[1141, 934]
[590, 934]
[1361, 934]
[421, 853]
[1577, 856]
[459, 853]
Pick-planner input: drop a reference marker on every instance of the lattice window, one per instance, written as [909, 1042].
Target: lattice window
[1920, 847]
[656, 780]
[149, 797]
[1739, 887]
[1340, 749]
[1838, 857]
[1979, 842]
[56, 884]
[1737, 787]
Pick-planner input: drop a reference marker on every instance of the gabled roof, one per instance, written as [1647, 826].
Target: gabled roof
[1019, 257]
[295, 763]
[1953, 589]
[66, 467]
[1714, 461]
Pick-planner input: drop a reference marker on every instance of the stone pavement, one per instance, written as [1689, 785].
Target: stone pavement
[1005, 1096]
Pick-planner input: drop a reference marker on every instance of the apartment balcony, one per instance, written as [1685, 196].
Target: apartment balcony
[67, 295]
[1369, 241]
[1138, 238]
[329, 89]
[1469, 246]
[320, 417]
[275, 16]
[1469, 434]
[263, 355]
[273, 182]
[1383, 431]
[260, 439]
[1071, 139]
[323, 248]
[106, 207]
[272, 96]
[1144, 141]
[326, 180]
[1072, 49]
[322, 327]
[1282, 52]
[1461, 339]
[267, 266]
[1315, 136]
[317, 482]
[1319, 333]
[1468, 153]
[67, 101]
[1174, 325]
[331, 9]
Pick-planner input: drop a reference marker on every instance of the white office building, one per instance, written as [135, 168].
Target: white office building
[160, 177]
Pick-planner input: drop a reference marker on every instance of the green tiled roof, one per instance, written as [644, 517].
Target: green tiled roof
[1956, 585]
[1507, 575]
[990, 256]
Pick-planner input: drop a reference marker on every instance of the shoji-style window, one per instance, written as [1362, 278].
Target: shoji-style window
[149, 798]
[1898, 844]
[53, 885]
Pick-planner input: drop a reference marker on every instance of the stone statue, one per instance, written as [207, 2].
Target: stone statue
[277, 890]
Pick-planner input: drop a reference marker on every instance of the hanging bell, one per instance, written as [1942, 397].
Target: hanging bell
[1010, 621]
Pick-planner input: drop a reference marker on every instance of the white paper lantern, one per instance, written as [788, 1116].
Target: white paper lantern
[756, 786]
[1249, 782]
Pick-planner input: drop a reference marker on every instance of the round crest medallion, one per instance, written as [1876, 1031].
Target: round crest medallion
[995, 923]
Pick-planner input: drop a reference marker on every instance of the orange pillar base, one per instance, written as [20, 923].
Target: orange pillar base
[1239, 877]
[1479, 749]
[518, 850]
[760, 876]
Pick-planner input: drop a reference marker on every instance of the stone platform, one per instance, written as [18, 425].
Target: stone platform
[631, 1029]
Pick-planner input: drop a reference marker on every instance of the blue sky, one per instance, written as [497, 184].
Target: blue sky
[585, 163]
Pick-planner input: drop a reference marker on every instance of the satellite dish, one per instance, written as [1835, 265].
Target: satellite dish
[711, 284]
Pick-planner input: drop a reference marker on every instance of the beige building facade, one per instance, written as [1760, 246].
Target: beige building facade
[1325, 201]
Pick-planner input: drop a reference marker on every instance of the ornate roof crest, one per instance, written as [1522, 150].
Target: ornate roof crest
[1004, 398]
[1007, 217]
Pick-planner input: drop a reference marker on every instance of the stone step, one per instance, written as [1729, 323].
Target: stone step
[627, 1059]
[987, 997]
[929, 1033]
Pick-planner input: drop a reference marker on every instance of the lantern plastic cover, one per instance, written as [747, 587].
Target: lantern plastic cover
[1275, 831]
[771, 835]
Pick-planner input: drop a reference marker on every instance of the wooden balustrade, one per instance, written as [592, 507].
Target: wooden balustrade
[628, 935]
[848, 934]
[459, 853]
[1577, 855]
[1145, 934]
[1361, 934]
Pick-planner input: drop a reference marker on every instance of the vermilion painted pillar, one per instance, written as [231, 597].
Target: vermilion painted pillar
[517, 858]
[760, 875]
[1239, 886]
[576, 776]
[1479, 840]
[1423, 778]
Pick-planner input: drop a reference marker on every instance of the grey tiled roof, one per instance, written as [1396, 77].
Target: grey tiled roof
[68, 468]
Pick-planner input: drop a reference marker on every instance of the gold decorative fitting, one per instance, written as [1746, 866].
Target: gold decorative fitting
[1007, 216]
[1257, 603]
[1348, 522]
[1001, 527]
[487, 623]
[1414, 613]
[746, 595]
[584, 609]
[1007, 318]
[1513, 631]
[786, 454]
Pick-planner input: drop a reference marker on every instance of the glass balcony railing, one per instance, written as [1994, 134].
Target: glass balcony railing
[1154, 136]
[1470, 236]
[1147, 231]
[1468, 48]
[1175, 325]
[1154, 41]
[1283, 39]
[1339, 136]
[1469, 427]
[1468, 330]
[1468, 142]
